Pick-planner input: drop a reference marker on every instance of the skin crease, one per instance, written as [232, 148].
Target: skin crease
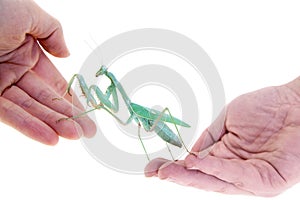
[252, 148]
[28, 79]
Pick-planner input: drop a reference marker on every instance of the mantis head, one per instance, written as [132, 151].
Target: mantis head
[101, 71]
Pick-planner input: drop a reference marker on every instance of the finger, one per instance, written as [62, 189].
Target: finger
[179, 174]
[48, 31]
[30, 126]
[215, 166]
[38, 90]
[69, 129]
[53, 78]
[212, 134]
[152, 167]
[256, 175]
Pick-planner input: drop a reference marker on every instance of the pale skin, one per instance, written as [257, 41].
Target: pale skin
[28, 79]
[254, 151]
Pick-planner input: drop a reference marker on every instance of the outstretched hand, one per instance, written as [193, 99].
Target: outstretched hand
[28, 79]
[252, 148]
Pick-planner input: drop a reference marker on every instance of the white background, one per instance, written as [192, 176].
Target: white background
[252, 43]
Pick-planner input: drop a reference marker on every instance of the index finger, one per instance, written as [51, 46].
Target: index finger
[53, 78]
[38, 90]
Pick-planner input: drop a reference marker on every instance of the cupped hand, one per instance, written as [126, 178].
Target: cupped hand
[252, 148]
[28, 79]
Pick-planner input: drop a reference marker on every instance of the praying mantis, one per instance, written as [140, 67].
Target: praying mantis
[150, 119]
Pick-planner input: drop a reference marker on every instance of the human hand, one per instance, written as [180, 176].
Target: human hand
[28, 79]
[255, 150]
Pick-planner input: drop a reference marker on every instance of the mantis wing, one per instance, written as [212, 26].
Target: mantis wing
[153, 114]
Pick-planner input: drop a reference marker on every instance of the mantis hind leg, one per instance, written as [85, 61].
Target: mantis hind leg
[139, 135]
[170, 151]
[144, 148]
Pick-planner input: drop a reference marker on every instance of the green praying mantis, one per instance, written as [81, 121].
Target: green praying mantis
[150, 119]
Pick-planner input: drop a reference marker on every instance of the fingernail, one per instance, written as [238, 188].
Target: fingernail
[202, 154]
[190, 159]
[170, 179]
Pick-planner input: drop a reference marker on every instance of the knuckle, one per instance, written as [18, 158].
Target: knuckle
[44, 96]
[60, 86]
[27, 103]
[239, 184]
[223, 189]
[49, 116]
[26, 121]
[69, 111]
[6, 107]
[56, 24]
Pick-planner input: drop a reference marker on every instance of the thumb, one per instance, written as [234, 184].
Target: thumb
[212, 134]
[48, 31]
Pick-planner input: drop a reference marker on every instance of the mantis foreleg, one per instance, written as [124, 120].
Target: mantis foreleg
[84, 89]
[104, 98]
[100, 106]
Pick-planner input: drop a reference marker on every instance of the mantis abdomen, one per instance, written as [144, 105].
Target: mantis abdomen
[166, 133]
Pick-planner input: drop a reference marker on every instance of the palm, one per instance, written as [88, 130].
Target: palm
[28, 79]
[261, 132]
[255, 150]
